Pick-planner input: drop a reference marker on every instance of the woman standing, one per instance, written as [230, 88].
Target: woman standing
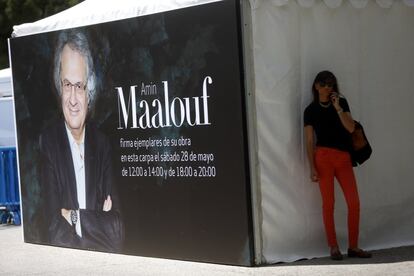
[328, 116]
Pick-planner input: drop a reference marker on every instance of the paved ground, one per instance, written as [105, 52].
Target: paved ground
[18, 258]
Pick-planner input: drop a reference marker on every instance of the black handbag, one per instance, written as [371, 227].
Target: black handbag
[361, 149]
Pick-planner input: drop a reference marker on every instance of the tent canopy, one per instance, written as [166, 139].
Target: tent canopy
[104, 11]
[368, 45]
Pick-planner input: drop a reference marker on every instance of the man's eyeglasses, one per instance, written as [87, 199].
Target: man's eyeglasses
[326, 84]
[67, 86]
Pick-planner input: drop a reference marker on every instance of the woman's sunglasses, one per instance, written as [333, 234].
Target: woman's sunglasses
[326, 84]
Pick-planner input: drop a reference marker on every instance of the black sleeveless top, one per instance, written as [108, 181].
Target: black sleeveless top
[327, 125]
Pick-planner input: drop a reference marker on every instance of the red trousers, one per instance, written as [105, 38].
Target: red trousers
[332, 163]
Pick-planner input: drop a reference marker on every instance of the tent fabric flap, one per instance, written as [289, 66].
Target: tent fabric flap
[374, 65]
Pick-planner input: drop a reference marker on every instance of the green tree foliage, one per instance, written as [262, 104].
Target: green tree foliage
[15, 12]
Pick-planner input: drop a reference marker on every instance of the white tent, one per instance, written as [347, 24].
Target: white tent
[5, 83]
[7, 129]
[368, 45]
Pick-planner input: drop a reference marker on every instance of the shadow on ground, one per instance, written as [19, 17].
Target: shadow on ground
[383, 256]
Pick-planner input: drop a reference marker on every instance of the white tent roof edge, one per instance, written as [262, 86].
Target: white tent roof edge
[103, 11]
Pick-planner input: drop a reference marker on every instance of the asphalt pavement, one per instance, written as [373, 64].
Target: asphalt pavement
[19, 258]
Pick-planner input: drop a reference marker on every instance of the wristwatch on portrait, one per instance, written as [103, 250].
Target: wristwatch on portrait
[73, 217]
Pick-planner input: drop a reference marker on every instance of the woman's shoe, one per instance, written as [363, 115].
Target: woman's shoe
[336, 255]
[358, 253]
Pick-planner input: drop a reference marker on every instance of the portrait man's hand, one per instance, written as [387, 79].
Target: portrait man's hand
[66, 214]
[107, 206]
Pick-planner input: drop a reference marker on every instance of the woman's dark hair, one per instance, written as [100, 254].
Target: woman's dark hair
[324, 77]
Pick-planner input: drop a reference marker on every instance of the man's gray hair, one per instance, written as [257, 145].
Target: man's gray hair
[77, 41]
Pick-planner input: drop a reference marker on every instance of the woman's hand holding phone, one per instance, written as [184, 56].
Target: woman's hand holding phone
[334, 97]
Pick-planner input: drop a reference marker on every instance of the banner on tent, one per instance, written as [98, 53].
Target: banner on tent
[131, 136]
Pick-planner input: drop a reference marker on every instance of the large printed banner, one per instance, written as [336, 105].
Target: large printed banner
[132, 138]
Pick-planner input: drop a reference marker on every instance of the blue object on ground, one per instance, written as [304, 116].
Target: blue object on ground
[9, 187]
